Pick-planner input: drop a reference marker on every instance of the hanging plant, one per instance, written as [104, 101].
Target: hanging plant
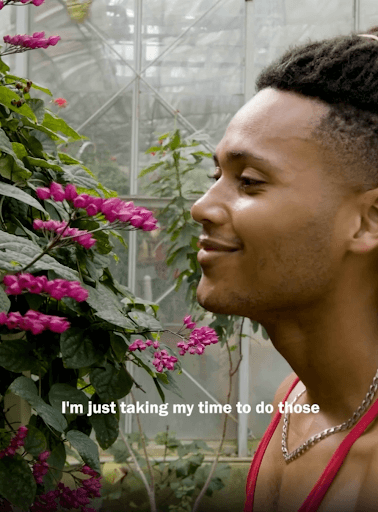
[78, 11]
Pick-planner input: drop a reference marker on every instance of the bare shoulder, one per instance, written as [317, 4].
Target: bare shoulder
[283, 388]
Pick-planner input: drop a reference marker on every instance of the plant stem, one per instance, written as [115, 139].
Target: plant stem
[151, 495]
[143, 439]
[213, 467]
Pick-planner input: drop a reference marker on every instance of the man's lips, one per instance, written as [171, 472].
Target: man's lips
[209, 244]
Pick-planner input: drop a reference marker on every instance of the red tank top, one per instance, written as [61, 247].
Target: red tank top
[319, 490]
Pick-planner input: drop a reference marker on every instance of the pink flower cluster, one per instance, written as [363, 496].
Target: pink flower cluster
[16, 442]
[113, 209]
[37, 40]
[82, 237]
[161, 358]
[199, 338]
[41, 467]
[56, 288]
[34, 2]
[34, 321]
[70, 499]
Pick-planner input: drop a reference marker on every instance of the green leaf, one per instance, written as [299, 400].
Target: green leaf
[68, 159]
[40, 162]
[145, 320]
[107, 306]
[57, 124]
[19, 150]
[106, 427]
[15, 356]
[265, 335]
[118, 344]
[5, 438]
[110, 383]
[78, 175]
[17, 484]
[7, 148]
[160, 391]
[6, 96]
[86, 448]
[149, 169]
[23, 80]
[64, 392]
[5, 303]
[26, 389]
[78, 349]
[38, 107]
[171, 386]
[56, 462]
[35, 441]
[20, 195]
[40, 128]
[3, 67]
[23, 251]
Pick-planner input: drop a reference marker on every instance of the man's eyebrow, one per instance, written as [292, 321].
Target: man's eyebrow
[244, 155]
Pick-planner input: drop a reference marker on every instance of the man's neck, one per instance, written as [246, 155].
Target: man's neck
[333, 348]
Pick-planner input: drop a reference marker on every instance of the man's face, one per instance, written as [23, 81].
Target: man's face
[285, 227]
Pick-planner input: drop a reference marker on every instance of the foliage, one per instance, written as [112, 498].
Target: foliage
[177, 479]
[95, 347]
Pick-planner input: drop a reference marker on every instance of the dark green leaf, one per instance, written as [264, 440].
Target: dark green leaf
[60, 393]
[86, 448]
[35, 441]
[20, 195]
[6, 96]
[110, 383]
[16, 356]
[57, 124]
[78, 349]
[56, 460]
[4, 301]
[106, 427]
[17, 484]
[26, 389]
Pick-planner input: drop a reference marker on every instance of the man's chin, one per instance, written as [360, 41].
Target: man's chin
[212, 301]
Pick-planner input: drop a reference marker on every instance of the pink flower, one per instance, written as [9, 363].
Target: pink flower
[1, 4]
[57, 192]
[80, 201]
[61, 102]
[70, 192]
[58, 324]
[43, 193]
[92, 209]
[188, 322]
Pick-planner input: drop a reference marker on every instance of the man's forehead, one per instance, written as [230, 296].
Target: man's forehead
[276, 126]
[277, 114]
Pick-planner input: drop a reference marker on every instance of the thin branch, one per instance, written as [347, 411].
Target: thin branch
[215, 463]
[151, 496]
[143, 439]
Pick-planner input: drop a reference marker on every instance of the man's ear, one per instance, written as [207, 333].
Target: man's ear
[365, 238]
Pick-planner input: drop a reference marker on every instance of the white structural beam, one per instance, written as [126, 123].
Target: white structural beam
[22, 27]
[249, 91]
[133, 242]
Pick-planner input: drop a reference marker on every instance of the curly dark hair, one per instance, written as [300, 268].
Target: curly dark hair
[341, 72]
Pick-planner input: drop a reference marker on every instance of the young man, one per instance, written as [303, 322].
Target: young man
[290, 239]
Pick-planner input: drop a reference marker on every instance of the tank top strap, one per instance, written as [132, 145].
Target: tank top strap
[257, 459]
[319, 490]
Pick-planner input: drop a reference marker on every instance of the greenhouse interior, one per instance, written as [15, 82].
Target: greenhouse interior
[128, 75]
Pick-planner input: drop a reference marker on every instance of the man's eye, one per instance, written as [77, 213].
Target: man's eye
[247, 182]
